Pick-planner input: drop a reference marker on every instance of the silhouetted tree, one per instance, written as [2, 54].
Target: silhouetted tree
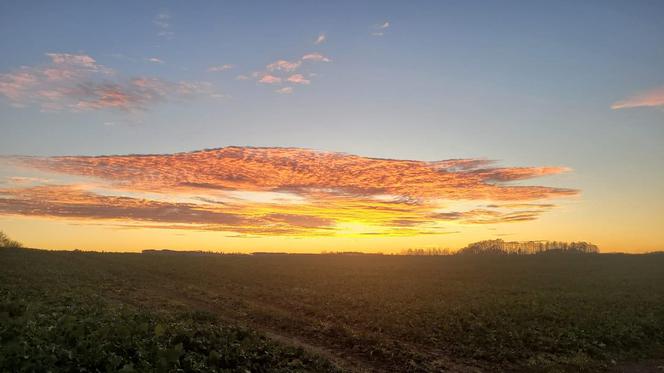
[527, 248]
[7, 243]
[426, 252]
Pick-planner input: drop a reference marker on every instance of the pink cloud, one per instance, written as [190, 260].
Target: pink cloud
[59, 74]
[109, 96]
[277, 72]
[298, 79]
[15, 85]
[269, 79]
[74, 59]
[78, 82]
[651, 98]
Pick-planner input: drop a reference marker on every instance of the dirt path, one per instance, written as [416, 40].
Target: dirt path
[155, 295]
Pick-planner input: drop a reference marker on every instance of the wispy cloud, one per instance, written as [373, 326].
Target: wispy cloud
[285, 90]
[282, 71]
[315, 57]
[379, 29]
[77, 82]
[281, 191]
[320, 39]
[163, 22]
[220, 68]
[80, 60]
[652, 98]
[155, 60]
[283, 65]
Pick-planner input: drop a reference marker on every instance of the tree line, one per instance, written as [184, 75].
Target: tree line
[528, 247]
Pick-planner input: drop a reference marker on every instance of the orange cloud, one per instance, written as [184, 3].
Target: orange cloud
[651, 98]
[287, 191]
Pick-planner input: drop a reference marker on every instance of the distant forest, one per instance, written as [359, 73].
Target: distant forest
[528, 247]
[499, 247]
[510, 248]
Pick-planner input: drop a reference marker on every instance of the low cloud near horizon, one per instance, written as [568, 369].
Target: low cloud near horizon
[278, 191]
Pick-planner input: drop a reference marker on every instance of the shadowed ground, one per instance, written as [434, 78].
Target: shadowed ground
[377, 313]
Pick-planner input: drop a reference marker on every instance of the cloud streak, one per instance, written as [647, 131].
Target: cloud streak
[285, 90]
[163, 22]
[315, 57]
[220, 68]
[652, 98]
[281, 191]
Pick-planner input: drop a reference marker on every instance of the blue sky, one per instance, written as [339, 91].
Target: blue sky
[454, 76]
[522, 82]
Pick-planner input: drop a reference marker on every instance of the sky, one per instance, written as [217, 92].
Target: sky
[308, 126]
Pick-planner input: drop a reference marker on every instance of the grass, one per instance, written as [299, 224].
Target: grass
[323, 312]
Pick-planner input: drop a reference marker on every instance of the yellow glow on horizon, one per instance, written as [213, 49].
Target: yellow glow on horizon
[296, 200]
[57, 234]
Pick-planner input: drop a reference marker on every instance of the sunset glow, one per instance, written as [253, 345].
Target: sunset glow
[279, 191]
[306, 127]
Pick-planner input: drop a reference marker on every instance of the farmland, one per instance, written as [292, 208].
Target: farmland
[196, 312]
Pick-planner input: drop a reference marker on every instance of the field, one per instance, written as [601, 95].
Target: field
[138, 312]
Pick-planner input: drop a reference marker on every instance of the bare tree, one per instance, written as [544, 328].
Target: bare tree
[7, 243]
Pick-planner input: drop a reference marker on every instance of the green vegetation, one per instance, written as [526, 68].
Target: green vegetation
[75, 333]
[104, 311]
